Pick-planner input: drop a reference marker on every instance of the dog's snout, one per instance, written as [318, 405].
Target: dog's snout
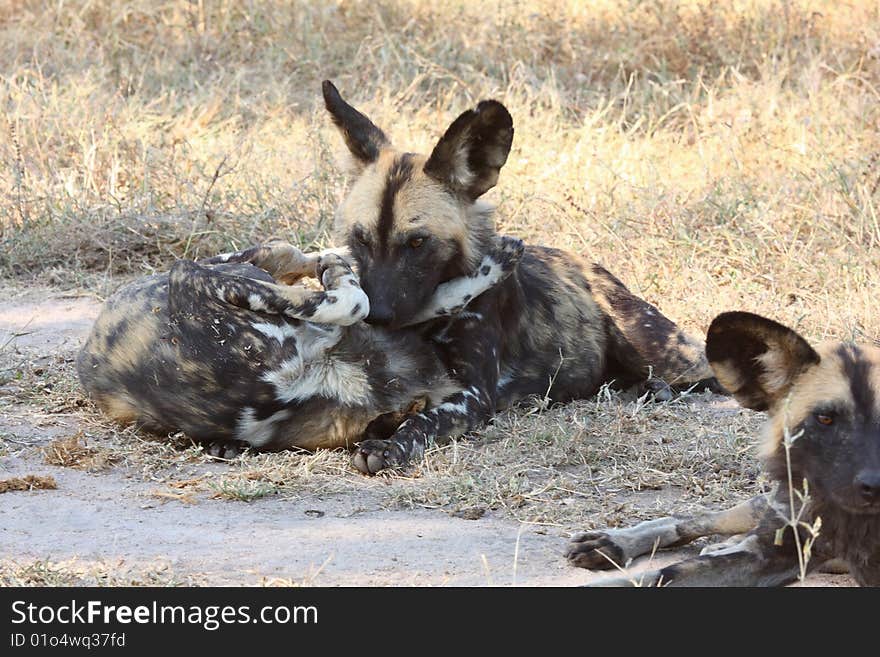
[867, 483]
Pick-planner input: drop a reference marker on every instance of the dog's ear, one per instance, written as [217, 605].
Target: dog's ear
[755, 358]
[471, 153]
[362, 137]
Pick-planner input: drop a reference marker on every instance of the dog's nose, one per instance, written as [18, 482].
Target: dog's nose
[868, 485]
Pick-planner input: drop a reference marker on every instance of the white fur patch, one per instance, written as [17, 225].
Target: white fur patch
[461, 407]
[258, 432]
[255, 302]
[310, 373]
[505, 378]
[344, 382]
[461, 173]
[458, 292]
[280, 333]
[351, 305]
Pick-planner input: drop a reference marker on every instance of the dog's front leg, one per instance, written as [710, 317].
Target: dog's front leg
[472, 358]
[341, 302]
[281, 260]
[606, 548]
[452, 297]
[459, 413]
[754, 561]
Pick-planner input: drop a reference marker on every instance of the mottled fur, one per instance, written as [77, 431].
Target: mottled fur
[558, 325]
[828, 400]
[222, 351]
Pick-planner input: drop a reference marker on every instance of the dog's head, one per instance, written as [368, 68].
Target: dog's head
[827, 398]
[411, 221]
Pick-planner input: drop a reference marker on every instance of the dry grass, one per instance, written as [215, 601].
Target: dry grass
[74, 572]
[28, 482]
[84, 572]
[715, 156]
[605, 461]
[75, 452]
[610, 460]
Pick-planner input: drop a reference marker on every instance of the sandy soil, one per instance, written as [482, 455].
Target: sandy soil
[115, 517]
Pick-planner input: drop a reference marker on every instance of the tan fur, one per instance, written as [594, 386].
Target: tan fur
[361, 204]
[825, 383]
[119, 406]
[422, 202]
[140, 340]
[728, 374]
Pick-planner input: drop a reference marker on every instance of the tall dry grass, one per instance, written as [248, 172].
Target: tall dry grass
[713, 155]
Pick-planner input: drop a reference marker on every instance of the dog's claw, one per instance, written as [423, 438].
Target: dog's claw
[594, 550]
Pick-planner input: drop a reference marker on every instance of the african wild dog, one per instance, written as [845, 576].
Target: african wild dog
[557, 324]
[222, 351]
[828, 400]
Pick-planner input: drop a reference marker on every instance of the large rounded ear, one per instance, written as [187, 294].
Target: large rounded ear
[362, 137]
[471, 153]
[755, 358]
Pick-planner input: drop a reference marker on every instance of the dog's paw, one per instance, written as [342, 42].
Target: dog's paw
[332, 265]
[658, 390]
[372, 456]
[225, 450]
[594, 550]
[509, 251]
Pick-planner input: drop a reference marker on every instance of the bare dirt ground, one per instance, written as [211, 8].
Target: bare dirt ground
[132, 510]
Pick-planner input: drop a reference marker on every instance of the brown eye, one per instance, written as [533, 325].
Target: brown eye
[825, 420]
[361, 237]
[416, 242]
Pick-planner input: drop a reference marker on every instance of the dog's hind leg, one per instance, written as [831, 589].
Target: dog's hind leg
[341, 302]
[282, 260]
[603, 549]
[644, 341]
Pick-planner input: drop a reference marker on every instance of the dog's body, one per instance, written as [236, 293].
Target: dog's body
[557, 327]
[220, 350]
[823, 402]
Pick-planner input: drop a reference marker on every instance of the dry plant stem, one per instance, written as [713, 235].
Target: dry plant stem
[794, 520]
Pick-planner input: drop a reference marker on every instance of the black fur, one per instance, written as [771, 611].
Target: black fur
[364, 139]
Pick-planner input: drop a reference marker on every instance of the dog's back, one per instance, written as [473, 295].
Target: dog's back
[172, 360]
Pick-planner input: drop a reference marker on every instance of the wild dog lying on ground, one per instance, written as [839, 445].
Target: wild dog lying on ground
[556, 327]
[827, 401]
[222, 351]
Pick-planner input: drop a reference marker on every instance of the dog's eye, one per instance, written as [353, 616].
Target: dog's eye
[362, 238]
[824, 420]
[416, 242]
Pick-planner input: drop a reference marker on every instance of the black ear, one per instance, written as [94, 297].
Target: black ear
[755, 358]
[473, 150]
[362, 137]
